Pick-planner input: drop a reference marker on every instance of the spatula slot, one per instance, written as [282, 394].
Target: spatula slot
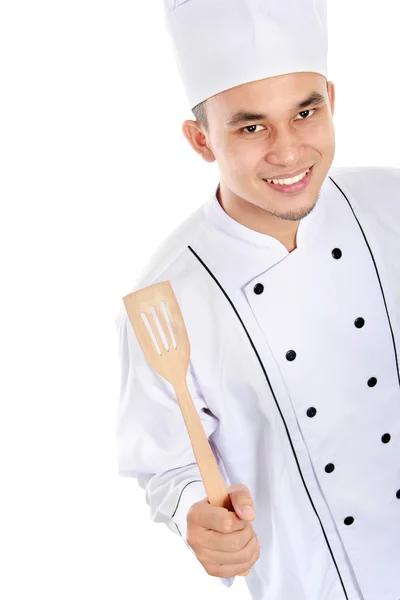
[164, 309]
[150, 330]
[159, 327]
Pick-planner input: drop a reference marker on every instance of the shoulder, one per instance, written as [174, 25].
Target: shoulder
[369, 181]
[374, 195]
[365, 172]
[171, 259]
[170, 250]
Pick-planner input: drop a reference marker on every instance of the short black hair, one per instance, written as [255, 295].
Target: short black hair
[200, 112]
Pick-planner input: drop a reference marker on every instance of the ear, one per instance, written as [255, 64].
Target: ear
[331, 94]
[194, 134]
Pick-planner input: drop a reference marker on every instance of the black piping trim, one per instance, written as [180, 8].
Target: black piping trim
[176, 507]
[377, 274]
[280, 412]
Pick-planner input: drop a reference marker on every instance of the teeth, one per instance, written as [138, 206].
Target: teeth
[289, 181]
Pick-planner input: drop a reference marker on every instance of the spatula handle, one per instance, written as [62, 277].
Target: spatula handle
[214, 484]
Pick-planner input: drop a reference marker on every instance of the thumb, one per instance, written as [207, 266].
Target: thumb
[242, 501]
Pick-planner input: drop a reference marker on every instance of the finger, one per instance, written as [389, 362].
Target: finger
[228, 570]
[217, 518]
[228, 542]
[231, 558]
[242, 501]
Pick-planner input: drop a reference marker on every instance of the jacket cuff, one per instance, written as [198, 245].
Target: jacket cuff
[193, 492]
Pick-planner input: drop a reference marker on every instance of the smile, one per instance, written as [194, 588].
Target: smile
[292, 185]
[289, 181]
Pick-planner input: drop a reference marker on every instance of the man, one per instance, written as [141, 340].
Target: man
[290, 291]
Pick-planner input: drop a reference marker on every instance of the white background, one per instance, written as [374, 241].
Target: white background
[95, 172]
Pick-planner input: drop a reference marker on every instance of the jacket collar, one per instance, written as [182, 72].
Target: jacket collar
[237, 254]
[243, 235]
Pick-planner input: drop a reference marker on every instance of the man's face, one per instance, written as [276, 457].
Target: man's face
[283, 141]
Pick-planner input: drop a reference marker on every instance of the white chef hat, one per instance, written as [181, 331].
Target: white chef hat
[219, 44]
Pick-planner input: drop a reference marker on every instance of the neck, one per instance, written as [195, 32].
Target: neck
[258, 219]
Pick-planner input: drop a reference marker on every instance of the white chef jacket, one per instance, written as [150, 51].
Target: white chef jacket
[294, 372]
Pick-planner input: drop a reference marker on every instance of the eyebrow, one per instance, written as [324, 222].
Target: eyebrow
[243, 116]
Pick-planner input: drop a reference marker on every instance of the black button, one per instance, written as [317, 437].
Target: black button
[386, 438]
[398, 494]
[372, 382]
[359, 322]
[336, 253]
[311, 412]
[291, 355]
[329, 468]
[348, 521]
[258, 288]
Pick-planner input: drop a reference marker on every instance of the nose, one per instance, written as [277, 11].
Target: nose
[284, 147]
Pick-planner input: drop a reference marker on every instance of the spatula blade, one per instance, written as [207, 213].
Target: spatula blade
[173, 361]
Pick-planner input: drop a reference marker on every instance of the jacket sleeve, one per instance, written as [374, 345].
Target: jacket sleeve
[152, 442]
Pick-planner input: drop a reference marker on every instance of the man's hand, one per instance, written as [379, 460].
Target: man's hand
[224, 541]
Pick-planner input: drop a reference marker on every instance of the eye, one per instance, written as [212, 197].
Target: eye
[306, 111]
[303, 112]
[249, 126]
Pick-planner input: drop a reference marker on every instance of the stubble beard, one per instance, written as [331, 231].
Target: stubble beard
[295, 215]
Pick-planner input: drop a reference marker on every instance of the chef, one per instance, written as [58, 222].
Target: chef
[288, 278]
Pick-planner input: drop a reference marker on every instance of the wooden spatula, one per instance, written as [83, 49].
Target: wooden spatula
[170, 358]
